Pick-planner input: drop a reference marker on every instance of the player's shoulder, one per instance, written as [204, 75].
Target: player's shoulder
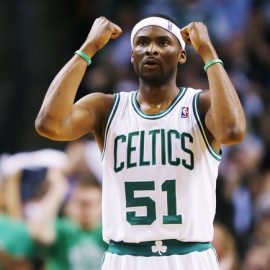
[190, 93]
[101, 97]
[204, 96]
[108, 98]
[104, 102]
[192, 90]
[199, 97]
[97, 100]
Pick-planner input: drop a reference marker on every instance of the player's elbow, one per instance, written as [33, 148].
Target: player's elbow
[46, 128]
[232, 135]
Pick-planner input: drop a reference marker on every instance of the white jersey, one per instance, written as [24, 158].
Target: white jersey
[159, 172]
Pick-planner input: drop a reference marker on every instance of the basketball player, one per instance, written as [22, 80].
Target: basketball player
[160, 144]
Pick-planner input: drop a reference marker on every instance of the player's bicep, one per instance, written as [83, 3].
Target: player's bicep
[87, 115]
[80, 121]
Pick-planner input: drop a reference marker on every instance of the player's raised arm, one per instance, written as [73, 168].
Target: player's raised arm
[224, 116]
[59, 118]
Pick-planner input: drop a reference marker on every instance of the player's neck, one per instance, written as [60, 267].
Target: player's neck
[155, 99]
[155, 94]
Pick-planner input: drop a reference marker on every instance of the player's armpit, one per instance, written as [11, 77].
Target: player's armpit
[207, 120]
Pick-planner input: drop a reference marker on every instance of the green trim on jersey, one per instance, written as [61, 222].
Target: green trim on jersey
[212, 151]
[157, 248]
[112, 112]
[137, 109]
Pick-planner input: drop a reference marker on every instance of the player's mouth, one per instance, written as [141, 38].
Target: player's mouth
[151, 62]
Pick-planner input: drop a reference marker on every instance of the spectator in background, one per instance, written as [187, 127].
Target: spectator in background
[261, 234]
[262, 197]
[92, 158]
[16, 245]
[259, 45]
[75, 241]
[240, 175]
[10, 164]
[257, 258]
[24, 175]
[22, 186]
[224, 244]
[228, 17]
[2, 201]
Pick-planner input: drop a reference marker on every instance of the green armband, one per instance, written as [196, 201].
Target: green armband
[84, 56]
[212, 62]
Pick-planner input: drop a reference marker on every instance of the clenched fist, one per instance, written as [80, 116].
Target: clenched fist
[101, 32]
[196, 35]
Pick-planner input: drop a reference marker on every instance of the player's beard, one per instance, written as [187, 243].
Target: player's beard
[156, 78]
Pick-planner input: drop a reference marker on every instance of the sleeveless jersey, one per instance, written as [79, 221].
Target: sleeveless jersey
[159, 172]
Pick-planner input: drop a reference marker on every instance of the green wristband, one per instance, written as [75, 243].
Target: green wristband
[212, 62]
[84, 56]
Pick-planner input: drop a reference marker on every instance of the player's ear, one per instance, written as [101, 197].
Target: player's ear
[131, 57]
[182, 58]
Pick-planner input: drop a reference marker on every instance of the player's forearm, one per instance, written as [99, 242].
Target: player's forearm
[54, 118]
[225, 119]
[226, 109]
[57, 104]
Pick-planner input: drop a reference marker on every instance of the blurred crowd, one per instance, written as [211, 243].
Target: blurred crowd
[50, 209]
[50, 200]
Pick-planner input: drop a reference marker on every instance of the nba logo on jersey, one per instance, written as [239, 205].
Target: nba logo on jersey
[169, 26]
[184, 112]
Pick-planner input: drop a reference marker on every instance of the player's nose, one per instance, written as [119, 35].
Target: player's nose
[152, 49]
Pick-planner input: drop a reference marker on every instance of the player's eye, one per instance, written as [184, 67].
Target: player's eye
[164, 43]
[142, 42]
